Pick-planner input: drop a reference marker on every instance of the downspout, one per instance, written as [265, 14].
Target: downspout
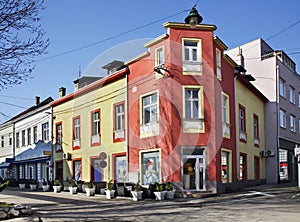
[236, 130]
[277, 124]
[127, 127]
[14, 151]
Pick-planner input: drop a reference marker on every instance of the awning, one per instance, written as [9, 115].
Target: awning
[40, 153]
[4, 165]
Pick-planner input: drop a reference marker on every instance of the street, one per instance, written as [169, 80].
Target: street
[269, 204]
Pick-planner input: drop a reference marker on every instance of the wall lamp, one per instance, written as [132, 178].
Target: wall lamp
[193, 18]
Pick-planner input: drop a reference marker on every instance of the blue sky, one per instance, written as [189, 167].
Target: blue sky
[95, 27]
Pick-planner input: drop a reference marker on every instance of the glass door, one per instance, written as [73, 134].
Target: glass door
[193, 172]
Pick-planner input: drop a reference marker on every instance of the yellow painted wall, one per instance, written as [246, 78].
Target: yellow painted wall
[253, 105]
[102, 98]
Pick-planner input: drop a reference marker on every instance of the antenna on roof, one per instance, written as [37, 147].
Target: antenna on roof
[79, 72]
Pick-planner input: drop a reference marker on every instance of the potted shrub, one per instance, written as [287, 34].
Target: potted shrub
[22, 184]
[169, 191]
[56, 186]
[33, 185]
[160, 192]
[45, 185]
[110, 193]
[72, 186]
[90, 189]
[137, 192]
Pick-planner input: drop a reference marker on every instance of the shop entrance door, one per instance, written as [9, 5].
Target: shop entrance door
[193, 172]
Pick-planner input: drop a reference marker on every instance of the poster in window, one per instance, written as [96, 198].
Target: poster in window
[150, 168]
[77, 170]
[120, 168]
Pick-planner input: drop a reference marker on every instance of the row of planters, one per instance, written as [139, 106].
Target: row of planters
[158, 191]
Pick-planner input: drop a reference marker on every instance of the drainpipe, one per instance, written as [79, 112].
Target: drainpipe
[236, 130]
[277, 125]
[127, 127]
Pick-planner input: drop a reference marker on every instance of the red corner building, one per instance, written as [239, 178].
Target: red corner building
[181, 116]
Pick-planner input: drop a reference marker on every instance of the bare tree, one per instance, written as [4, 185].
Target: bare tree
[21, 39]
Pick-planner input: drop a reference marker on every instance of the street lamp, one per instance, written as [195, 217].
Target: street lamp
[193, 18]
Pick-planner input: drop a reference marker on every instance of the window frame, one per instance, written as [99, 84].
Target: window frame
[292, 123]
[95, 128]
[282, 88]
[76, 128]
[23, 138]
[282, 118]
[119, 129]
[58, 138]
[193, 125]
[242, 123]
[218, 64]
[45, 131]
[191, 66]
[225, 108]
[29, 136]
[292, 96]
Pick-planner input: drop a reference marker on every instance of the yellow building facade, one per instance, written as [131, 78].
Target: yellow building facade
[250, 131]
[89, 131]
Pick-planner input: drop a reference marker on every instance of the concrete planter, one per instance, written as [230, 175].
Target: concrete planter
[170, 194]
[110, 194]
[137, 195]
[160, 195]
[33, 186]
[90, 191]
[45, 188]
[56, 189]
[73, 190]
[22, 186]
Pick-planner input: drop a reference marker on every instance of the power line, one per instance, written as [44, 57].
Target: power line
[112, 37]
[10, 104]
[278, 33]
[15, 97]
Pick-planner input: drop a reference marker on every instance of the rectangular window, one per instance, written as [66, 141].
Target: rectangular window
[35, 134]
[77, 170]
[299, 125]
[95, 123]
[299, 100]
[292, 95]
[225, 115]
[191, 56]
[218, 64]
[226, 169]
[76, 132]
[2, 141]
[192, 104]
[120, 168]
[58, 130]
[242, 119]
[119, 117]
[45, 132]
[10, 139]
[17, 139]
[150, 109]
[29, 136]
[150, 171]
[292, 123]
[23, 137]
[282, 88]
[159, 56]
[243, 167]
[255, 126]
[282, 118]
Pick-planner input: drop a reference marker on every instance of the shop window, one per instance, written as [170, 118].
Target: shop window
[243, 167]
[77, 170]
[226, 167]
[120, 168]
[150, 172]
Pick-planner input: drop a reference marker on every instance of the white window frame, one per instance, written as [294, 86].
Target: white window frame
[218, 64]
[76, 125]
[119, 117]
[193, 125]
[292, 95]
[292, 123]
[150, 128]
[282, 118]
[96, 123]
[282, 88]
[159, 61]
[191, 65]
[45, 131]
[225, 115]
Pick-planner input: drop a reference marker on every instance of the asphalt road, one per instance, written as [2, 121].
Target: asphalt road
[261, 203]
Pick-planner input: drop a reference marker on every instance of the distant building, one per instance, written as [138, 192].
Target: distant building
[276, 78]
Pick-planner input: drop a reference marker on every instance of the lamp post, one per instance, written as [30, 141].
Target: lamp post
[193, 18]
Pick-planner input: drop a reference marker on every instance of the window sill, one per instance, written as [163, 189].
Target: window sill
[150, 129]
[193, 125]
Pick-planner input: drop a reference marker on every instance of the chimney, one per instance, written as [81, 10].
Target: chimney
[62, 92]
[37, 100]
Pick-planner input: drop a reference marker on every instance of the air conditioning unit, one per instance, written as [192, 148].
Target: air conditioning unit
[262, 154]
[270, 153]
